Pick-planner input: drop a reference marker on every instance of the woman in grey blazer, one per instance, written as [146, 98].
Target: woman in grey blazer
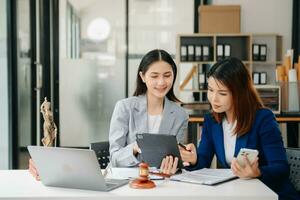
[152, 109]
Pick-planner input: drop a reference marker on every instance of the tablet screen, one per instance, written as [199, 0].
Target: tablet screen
[155, 147]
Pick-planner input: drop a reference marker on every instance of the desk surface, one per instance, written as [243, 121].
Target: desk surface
[17, 184]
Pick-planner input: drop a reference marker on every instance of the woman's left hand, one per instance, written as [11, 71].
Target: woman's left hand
[247, 171]
[169, 165]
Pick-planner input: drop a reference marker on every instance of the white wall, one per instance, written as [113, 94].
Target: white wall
[265, 16]
[4, 134]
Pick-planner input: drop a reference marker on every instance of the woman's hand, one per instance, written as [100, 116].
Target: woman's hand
[32, 169]
[136, 149]
[248, 171]
[169, 165]
[189, 154]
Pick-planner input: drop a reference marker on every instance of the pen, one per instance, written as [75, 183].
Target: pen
[184, 147]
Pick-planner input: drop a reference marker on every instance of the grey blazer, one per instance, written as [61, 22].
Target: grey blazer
[130, 117]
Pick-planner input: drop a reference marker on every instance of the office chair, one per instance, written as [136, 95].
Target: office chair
[293, 156]
[102, 152]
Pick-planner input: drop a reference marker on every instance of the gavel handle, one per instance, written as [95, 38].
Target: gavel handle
[160, 174]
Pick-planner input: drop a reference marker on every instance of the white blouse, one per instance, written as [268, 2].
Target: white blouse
[229, 139]
[154, 123]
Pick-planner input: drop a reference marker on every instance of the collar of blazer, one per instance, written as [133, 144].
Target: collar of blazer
[168, 117]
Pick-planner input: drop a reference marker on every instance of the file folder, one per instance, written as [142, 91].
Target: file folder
[205, 53]
[191, 53]
[198, 53]
[201, 81]
[263, 78]
[255, 52]
[183, 53]
[263, 52]
[227, 50]
[255, 78]
[220, 53]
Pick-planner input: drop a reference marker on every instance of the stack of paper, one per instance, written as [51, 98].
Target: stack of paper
[205, 176]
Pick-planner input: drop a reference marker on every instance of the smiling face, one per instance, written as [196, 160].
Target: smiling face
[158, 79]
[219, 97]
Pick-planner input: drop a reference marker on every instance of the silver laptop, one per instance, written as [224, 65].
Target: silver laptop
[71, 168]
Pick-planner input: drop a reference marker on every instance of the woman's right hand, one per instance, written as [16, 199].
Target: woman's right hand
[32, 169]
[188, 155]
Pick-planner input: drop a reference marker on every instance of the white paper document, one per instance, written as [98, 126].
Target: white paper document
[127, 173]
[205, 176]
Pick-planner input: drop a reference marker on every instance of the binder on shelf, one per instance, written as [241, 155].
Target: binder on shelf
[195, 80]
[191, 53]
[263, 52]
[227, 50]
[196, 96]
[220, 53]
[205, 53]
[198, 53]
[183, 53]
[201, 81]
[255, 52]
[263, 78]
[255, 76]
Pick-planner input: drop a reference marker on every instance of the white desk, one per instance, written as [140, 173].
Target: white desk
[17, 184]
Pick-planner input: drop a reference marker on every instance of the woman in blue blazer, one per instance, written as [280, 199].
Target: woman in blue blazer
[239, 120]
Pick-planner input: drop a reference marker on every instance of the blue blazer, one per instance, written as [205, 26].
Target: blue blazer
[264, 136]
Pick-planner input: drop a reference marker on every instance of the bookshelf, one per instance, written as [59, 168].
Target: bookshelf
[197, 52]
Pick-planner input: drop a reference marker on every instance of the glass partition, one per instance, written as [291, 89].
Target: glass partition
[93, 80]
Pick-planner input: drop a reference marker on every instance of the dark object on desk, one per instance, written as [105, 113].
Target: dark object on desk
[143, 181]
[102, 152]
[293, 156]
[165, 145]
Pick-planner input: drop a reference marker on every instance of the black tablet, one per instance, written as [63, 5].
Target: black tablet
[155, 147]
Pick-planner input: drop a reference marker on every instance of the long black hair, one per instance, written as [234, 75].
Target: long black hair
[147, 60]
